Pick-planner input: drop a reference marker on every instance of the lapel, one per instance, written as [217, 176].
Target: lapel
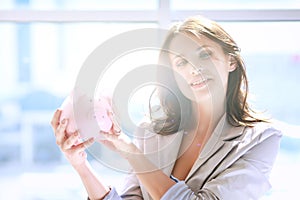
[170, 153]
[162, 151]
[219, 145]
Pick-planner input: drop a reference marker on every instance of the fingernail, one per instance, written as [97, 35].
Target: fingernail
[64, 121]
[91, 140]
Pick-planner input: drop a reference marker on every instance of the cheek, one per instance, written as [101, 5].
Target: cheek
[180, 71]
[183, 86]
[180, 79]
[224, 78]
[221, 73]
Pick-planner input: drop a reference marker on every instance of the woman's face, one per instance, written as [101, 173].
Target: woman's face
[201, 67]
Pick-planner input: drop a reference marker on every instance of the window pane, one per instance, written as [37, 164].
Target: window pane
[272, 57]
[233, 4]
[54, 50]
[80, 5]
[36, 78]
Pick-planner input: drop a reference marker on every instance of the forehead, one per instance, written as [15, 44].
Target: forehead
[182, 43]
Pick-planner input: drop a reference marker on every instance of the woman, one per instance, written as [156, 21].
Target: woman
[219, 148]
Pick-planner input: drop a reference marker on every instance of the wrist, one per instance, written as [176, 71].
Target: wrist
[132, 152]
[108, 191]
[140, 163]
[82, 167]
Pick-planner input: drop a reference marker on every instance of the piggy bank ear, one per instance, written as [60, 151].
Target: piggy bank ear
[67, 113]
[66, 108]
[107, 102]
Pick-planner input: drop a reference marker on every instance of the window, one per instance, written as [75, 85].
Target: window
[44, 44]
[233, 5]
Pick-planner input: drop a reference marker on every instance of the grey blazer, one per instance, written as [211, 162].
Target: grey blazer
[235, 163]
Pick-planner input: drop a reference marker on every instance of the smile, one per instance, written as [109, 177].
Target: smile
[199, 83]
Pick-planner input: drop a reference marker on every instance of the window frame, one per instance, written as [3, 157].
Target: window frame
[163, 15]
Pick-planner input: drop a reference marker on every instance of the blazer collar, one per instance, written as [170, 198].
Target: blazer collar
[164, 150]
[225, 136]
[224, 132]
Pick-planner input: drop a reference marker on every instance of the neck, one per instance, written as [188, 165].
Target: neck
[207, 121]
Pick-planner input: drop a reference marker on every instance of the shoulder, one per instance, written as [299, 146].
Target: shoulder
[250, 135]
[260, 132]
[259, 145]
[258, 142]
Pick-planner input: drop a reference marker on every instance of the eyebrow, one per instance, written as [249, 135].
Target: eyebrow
[197, 50]
[202, 47]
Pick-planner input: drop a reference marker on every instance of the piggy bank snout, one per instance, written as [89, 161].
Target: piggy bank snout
[91, 115]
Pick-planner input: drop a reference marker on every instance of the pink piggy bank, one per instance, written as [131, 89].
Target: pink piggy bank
[87, 115]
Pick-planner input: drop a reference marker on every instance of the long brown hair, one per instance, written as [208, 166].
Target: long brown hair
[173, 103]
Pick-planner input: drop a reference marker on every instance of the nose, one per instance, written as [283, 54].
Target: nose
[195, 71]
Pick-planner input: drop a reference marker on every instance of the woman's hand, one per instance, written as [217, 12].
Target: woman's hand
[118, 141]
[115, 139]
[69, 142]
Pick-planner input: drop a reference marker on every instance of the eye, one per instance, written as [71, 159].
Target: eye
[180, 62]
[204, 54]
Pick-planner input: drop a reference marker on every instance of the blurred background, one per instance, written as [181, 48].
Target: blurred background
[43, 44]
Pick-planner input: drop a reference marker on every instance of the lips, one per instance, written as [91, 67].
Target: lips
[199, 83]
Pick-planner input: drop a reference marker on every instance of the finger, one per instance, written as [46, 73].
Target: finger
[110, 136]
[107, 143]
[105, 134]
[70, 141]
[116, 128]
[82, 146]
[55, 119]
[60, 133]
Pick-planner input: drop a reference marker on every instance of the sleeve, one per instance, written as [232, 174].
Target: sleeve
[247, 178]
[131, 189]
[112, 195]
[181, 191]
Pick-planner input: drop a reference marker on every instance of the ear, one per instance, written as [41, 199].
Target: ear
[232, 63]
